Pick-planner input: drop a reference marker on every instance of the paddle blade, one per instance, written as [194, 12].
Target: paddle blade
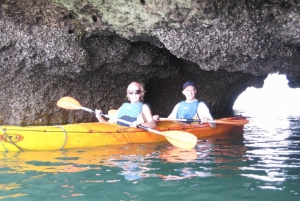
[238, 122]
[68, 103]
[180, 139]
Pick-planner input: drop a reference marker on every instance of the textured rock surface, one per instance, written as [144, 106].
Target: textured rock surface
[92, 49]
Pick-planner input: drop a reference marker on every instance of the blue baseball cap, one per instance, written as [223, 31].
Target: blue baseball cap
[188, 84]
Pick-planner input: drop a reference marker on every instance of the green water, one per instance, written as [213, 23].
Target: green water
[263, 163]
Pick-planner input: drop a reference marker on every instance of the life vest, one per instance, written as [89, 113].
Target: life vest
[187, 110]
[129, 112]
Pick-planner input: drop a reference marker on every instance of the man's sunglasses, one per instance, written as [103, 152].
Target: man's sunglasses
[134, 92]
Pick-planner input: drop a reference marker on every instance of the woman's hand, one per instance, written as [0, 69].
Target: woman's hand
[98, 114]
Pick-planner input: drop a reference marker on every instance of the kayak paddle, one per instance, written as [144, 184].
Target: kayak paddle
[236, 122]
[179, 139]
[232, 122]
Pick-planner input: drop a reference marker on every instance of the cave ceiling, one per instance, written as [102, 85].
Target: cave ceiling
[92, 49]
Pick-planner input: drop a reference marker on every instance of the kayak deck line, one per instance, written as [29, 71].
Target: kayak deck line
[66, 138]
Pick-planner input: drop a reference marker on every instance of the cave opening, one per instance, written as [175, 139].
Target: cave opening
[276, 97]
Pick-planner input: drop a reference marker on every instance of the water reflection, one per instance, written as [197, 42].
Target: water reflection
[134, 161]
[71, 160]
[265, 157]
[273, 149]
[176, 155]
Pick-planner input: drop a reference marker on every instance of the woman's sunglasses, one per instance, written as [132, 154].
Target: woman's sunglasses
[134, 92]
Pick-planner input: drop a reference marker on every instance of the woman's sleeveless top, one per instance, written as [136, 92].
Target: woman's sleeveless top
[129, 112]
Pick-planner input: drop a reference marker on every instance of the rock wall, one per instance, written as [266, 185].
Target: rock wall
[92, 49]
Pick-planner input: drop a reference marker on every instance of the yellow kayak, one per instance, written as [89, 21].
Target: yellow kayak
[87, 135]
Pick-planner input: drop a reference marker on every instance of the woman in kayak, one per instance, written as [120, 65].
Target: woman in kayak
[136, 112]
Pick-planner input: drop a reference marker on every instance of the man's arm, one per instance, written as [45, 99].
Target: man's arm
[173, 114]
[204, 113]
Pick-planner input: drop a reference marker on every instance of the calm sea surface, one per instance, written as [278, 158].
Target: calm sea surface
[261, 164]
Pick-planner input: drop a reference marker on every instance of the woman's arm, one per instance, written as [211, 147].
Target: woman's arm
[150, 123]
[101, 119]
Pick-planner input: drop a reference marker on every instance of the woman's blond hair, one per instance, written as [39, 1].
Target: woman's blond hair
[141, 87]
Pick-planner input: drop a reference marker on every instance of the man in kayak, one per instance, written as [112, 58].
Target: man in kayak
[191, 108]
[136, 112]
